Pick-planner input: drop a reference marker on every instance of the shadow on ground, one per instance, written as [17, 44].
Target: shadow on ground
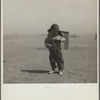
[37, 71]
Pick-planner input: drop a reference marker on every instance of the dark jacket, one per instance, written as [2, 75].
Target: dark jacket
[52, 45]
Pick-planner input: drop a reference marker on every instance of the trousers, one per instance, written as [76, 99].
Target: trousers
[56, 58]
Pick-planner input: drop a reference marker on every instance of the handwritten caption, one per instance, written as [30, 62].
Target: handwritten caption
[49, 87]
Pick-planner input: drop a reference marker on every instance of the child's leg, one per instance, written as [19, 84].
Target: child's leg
[52, 60]
[60, 61]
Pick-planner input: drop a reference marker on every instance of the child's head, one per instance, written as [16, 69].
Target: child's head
[55, 27]
[54, 30]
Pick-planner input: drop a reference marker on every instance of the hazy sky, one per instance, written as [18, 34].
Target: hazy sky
[36, 16]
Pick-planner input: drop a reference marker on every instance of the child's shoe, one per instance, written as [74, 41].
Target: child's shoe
[52, 71]
[60, 72]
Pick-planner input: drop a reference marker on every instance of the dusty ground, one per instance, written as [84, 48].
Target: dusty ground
[26, 60]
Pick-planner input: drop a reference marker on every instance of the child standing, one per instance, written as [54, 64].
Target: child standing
[53, 43]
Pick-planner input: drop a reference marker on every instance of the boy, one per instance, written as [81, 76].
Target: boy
[53, 43]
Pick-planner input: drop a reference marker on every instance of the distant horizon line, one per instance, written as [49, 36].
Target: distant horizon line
[46, 33]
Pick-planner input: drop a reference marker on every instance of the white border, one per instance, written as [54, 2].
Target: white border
[59, 91]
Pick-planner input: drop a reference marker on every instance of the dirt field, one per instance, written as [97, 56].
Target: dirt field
[26, 60]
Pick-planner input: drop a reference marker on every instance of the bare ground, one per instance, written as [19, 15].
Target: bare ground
[26, 61]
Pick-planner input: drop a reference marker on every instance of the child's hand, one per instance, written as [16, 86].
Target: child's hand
[57, 40]
[49, 45]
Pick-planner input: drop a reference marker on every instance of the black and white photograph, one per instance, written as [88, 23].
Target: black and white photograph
[50, 41]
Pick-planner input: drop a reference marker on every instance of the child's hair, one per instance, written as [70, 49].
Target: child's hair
[54, 27]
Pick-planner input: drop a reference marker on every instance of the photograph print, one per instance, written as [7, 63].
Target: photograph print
[50, 41]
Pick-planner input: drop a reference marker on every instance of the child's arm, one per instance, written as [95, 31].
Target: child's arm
[63, 39]
[46, 42]
[59, 38]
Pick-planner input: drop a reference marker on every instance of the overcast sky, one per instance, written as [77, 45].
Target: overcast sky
[36, 16]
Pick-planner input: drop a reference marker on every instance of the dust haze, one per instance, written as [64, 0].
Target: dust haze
[36, 16]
